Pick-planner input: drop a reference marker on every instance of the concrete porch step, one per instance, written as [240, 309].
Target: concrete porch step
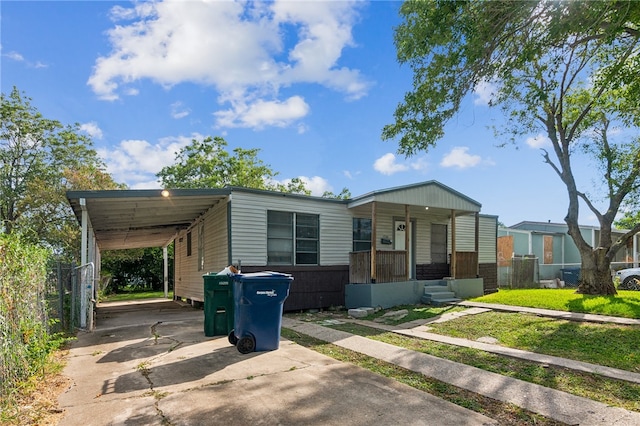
[440, 295]
[435, 289]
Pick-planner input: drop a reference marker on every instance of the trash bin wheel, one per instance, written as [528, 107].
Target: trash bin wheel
[232, 338]
[246, 344]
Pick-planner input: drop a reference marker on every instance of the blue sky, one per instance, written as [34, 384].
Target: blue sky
[311, 84]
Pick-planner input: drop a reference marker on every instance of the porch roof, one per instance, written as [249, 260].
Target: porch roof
[125, 219]
[431, 194]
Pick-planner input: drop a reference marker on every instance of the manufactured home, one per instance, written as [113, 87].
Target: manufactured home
[532, 252]
[409, 234]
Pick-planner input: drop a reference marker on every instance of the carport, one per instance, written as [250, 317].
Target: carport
[129, 219]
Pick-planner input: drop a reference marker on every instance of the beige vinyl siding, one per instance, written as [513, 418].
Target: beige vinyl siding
[488, 239]
[186, 284]
[465, 236]
[249, 226]
[465, 233]
[188, 279]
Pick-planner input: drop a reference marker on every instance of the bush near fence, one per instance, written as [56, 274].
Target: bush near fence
[25, 339]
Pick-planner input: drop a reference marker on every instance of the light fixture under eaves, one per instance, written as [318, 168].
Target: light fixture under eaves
[426, 208]
[164, 193]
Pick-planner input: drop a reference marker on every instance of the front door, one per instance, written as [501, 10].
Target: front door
[438, 243]
[400, 228]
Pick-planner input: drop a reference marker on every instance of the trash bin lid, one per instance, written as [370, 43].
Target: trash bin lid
[264, 275]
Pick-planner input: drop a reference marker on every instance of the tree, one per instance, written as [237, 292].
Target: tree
[40, 159]
[568, 69]
[345, 194]
[206, 164]
[135, 269]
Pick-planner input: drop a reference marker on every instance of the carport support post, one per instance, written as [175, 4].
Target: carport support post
[165, 260]
[83, 261]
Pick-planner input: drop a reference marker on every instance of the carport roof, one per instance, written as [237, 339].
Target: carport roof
[125, 219]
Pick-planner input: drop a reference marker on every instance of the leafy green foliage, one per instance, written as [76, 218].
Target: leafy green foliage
[25, 340]
[566, 70]
[135, 269]
[207, 164]
[40, 159]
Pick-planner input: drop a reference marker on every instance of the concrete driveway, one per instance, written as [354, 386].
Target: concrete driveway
[151, 364]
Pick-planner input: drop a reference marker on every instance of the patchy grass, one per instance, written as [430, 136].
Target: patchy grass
[506, 414]
[625, 304]
[415, 312]
[133, 295]
[35, 401]
[608, 391]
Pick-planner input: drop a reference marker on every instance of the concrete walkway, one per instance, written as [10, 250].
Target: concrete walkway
[561, 406]
[419, 329]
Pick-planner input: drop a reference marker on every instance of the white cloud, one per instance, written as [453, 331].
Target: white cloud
[538, 141]
[14, 56]
[236, 47]
[387, 165]
[484, 93]
[316, 184]
[92, 129]
[350, 175]
[460, 158]
[136, 162]
[263, 113]
[178, 110]
[18, 57]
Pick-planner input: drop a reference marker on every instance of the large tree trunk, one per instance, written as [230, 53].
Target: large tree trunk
[595, 274]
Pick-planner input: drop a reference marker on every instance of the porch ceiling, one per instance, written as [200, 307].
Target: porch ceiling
[125, 219]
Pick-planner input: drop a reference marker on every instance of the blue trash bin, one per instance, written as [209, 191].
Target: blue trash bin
[258, 301]
[570, 276]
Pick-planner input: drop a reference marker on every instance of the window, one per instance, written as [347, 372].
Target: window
[189, 243]
[361, 234]
[306, 239]
[292, 238]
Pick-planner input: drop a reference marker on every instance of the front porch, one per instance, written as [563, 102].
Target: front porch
[393, 287]
[413, 292]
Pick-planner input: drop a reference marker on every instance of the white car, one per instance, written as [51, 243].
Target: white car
[629, 279]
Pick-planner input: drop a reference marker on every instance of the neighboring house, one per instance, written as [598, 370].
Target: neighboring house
[324, 243]
[553, 250]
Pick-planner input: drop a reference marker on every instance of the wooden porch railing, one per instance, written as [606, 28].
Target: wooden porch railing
[390, 266]
[466, 264]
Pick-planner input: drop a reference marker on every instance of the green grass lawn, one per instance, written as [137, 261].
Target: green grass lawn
[624, 304]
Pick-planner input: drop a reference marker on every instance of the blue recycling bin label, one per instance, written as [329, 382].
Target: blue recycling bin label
[270, 293]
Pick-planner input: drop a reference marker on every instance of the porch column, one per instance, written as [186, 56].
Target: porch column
[407, 223]
[453, 244]
[165, 261]
[374, 240]
[477, 245]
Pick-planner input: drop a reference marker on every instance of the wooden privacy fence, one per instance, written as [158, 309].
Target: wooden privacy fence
[390, 266]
